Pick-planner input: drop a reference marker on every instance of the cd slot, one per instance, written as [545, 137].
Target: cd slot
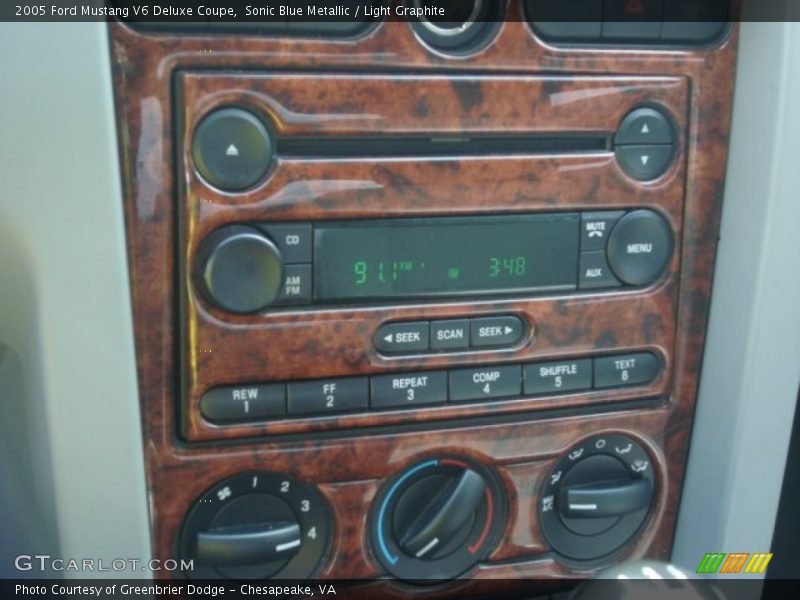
[374, 146]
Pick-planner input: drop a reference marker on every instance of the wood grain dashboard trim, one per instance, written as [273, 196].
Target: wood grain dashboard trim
[144, 69]
[340, 339]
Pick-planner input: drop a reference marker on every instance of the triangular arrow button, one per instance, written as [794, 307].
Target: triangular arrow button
[507, 330]
[645, 128]
[389, 337]
[644, 158]
[232, 151]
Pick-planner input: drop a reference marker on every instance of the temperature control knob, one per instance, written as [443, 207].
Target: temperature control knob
[437, 519]
[597, 497]
[239, 269]
[256, 526]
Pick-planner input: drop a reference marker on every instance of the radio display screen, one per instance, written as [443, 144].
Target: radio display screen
[451, 256]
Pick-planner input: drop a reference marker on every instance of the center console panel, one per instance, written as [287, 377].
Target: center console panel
[311, 339]
[402, 280]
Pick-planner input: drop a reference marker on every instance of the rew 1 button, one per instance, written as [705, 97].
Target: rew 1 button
[408, 389]
[328, 396]
[402, 337]
[243, 403]
[484, 383]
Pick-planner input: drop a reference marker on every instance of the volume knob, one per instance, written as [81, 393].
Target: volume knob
[239, 269]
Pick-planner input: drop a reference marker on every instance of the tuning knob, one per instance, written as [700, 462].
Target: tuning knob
[597, 497]
[256, 526]
[463, 27]
[239, 269]
[437, 519]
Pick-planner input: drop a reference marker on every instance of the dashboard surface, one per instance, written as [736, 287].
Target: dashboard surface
[387, 84]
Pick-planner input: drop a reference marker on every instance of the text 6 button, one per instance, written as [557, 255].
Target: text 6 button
[625, 369]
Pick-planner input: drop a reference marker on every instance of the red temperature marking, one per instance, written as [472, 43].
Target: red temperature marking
[489, 511]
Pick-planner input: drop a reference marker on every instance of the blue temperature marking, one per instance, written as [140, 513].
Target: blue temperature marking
[385, 503]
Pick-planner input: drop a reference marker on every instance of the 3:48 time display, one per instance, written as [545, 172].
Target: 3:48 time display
[508, 265]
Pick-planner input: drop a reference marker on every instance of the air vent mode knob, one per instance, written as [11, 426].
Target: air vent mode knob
[597, 497]
[239, 269]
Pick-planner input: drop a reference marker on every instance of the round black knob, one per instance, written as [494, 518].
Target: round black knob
[239, 269]
[463, 27]
[597, 497]
[639, 247]
[251, 537]
[256, 526]
[437, 519]
[232, 149]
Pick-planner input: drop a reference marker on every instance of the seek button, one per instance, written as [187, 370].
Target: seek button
[496, 331]
[402, 337]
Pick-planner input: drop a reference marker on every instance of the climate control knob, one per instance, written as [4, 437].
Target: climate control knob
[239, 269]
[597, 497]
[437, 519]
[256, 526]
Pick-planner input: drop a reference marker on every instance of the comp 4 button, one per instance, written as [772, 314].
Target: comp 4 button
[486, 382]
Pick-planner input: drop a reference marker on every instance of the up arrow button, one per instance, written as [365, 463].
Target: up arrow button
[644, 125]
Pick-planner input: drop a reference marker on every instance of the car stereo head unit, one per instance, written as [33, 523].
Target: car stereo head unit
[246, 268]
